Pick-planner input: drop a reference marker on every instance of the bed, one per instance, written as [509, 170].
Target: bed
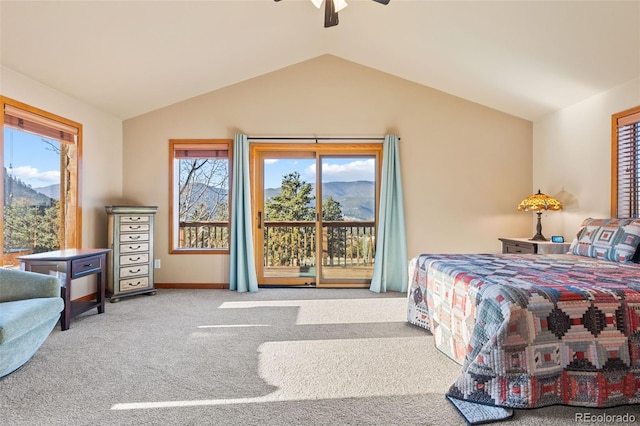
[533, 330]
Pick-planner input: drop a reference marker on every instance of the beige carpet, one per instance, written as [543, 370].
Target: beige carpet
[215, 357]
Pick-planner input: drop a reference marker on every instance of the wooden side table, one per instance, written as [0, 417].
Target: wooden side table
[525, 245]
[68, 265]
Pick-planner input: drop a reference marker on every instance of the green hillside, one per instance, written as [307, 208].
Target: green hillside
[15, 189]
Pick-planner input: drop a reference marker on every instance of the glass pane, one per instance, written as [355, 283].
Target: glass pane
[348, 217]
[203, 185]
[31, 197]
[289, 218]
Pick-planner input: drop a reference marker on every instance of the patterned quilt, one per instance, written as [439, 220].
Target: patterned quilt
[533, 330]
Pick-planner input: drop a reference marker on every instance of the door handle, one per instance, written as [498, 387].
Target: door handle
[259, 220]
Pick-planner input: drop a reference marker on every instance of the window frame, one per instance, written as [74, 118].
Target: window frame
[72, 237]
[174, 215]
[624, 118]
[258, 152]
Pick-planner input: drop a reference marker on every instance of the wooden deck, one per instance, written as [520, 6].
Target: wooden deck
[328, 272]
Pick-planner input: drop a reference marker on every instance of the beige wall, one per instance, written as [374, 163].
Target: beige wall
[465, 166]
[456, 155]
[101, 155]
[572, 156]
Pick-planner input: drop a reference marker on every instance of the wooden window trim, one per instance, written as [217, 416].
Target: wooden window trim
[71, 134]
[259, 151]
[210, 146]
[622, 118]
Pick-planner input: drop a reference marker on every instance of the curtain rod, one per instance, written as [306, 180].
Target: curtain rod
[310, 138]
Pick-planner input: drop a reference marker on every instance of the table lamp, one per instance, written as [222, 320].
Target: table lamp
[538, 203]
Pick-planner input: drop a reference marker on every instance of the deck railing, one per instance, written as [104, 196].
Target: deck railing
[344, 243]
[205, 234]
[293, 243]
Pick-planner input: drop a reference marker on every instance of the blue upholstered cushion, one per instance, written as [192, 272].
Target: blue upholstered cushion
[19, 285]
[30, 306]
[19, 317]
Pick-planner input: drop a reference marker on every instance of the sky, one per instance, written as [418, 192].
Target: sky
[333, 170]
[31, 160]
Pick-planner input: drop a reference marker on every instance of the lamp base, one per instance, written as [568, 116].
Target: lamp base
[538, 236]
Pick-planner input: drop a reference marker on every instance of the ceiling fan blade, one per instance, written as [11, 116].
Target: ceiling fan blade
[378, 1]
[330, 14]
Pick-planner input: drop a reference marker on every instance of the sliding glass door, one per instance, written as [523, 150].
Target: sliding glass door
[315, 213]
[347, 221]
[287, 219]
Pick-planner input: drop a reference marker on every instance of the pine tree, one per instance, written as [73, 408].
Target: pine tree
[291, 205]
[332, 211]
[31, 227]
[293, 202]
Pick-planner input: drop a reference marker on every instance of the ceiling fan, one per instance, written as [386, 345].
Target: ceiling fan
[332, 7]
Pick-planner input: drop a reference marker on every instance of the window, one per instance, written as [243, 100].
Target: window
[200, 195]
[625, 170]
[40, 205]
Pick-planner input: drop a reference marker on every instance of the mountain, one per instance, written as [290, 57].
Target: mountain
[357, 198]
[210, 196]
[51, 191]
[205, 192]
[15, 189]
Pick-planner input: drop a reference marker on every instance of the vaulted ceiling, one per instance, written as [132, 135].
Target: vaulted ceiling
[526, 58]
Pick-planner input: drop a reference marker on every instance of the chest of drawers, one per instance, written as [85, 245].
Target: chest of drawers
[130, 262]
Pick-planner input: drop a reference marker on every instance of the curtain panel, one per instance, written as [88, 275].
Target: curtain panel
[390, 269]
[242, 272]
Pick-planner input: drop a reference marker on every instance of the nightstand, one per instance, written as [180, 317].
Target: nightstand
[67, 265]
[525, 245]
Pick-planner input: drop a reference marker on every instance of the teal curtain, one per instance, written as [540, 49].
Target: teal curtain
[242, 269]
[390, 263]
